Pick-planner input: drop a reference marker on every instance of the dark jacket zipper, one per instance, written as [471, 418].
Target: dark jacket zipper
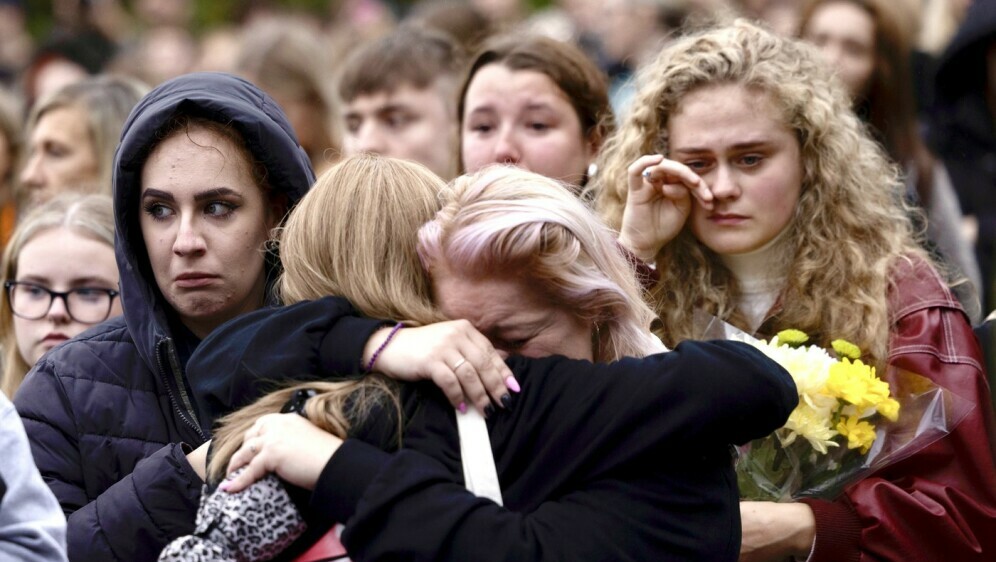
[189, 415]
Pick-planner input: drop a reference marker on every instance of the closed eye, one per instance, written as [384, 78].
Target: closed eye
[697, 165]
[481, 128]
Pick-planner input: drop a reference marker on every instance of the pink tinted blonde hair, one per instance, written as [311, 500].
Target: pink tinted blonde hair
[504, 220]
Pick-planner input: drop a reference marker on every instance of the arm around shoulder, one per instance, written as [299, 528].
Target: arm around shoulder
[305, 340]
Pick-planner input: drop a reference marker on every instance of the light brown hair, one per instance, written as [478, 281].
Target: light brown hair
[283, 57]
[88, 215]
[410, 55]
[504, 219]
[106, 100]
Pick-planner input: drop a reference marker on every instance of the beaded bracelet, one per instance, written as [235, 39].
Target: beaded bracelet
[376, 354]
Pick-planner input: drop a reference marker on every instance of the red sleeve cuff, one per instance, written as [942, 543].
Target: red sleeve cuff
[646, 274]
[838, 532]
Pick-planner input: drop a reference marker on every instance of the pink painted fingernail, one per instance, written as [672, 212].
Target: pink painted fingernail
[462, 407]
[223, 487]
[512, 384]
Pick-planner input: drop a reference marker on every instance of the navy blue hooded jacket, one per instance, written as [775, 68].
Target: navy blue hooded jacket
[109, 414]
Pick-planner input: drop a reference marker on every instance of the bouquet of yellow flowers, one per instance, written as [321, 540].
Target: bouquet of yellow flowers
[849, 422]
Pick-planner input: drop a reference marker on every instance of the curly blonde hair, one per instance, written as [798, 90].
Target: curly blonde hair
[850, 226]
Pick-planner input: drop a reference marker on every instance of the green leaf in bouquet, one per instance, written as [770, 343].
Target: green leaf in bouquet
[766, 470]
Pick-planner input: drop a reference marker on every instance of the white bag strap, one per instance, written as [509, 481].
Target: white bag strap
[479, 470]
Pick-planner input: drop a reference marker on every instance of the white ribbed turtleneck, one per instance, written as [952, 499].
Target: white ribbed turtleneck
[760, 276]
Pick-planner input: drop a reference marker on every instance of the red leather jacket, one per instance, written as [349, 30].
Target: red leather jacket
[940, 503]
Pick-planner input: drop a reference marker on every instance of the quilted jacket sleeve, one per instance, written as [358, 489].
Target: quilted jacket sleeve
[132, 519]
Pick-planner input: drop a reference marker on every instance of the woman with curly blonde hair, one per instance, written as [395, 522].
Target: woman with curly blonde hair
[742, 173]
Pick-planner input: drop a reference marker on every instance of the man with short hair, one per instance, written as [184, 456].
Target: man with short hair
[399, 99]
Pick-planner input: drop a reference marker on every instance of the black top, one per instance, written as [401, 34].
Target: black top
[621, 461]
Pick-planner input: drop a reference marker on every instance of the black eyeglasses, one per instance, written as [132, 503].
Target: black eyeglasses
[31, 301]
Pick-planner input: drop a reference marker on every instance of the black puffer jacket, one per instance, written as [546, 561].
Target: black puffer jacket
[109, 414]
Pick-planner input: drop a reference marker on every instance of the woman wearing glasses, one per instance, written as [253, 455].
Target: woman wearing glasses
[60, 278]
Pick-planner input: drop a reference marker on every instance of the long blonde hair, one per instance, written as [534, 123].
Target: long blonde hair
[352, 235]
[335, 408]
[850, 226]
[89, 215]
[504, 219]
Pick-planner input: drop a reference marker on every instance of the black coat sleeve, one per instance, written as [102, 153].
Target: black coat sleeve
[246, 357]
[596, 462]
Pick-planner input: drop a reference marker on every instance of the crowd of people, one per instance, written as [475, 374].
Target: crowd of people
[426, 281]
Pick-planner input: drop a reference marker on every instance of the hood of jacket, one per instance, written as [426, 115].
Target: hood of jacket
[217, 97]
[962, 66]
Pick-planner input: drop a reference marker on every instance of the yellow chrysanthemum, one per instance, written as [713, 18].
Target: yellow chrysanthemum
[889, 408]
[857, 384]
[829, 389]
[792, 337]
[847, 349]
[859, 433]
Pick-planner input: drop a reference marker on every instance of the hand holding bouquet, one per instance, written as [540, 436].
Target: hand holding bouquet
[849, 421]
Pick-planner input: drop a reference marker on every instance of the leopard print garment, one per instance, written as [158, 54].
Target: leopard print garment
[253, 525]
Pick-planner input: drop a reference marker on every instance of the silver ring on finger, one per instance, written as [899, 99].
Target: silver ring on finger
[459, 363]
[647, 173]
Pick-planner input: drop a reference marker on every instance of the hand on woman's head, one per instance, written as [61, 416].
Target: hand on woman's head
[287, 445]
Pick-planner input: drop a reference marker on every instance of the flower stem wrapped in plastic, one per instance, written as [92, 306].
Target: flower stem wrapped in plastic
[850, 420]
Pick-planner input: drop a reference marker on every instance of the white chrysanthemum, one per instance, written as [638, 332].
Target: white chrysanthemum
[809, 367]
